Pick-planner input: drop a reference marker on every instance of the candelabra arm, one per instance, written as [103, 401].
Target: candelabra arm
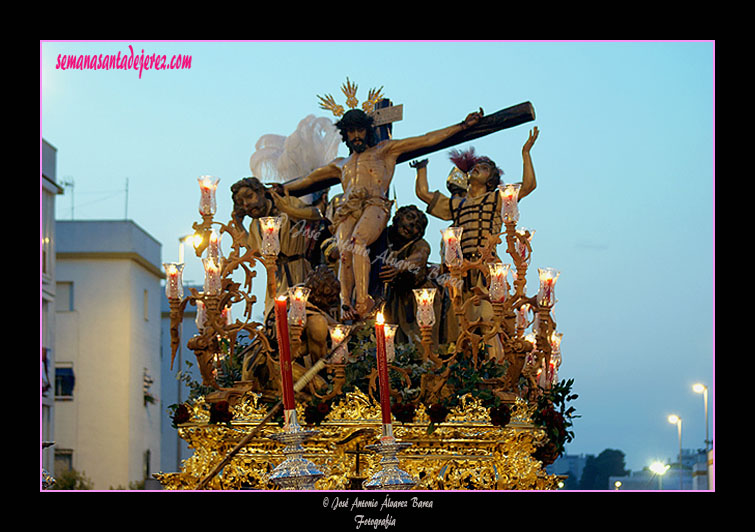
[177, 307]
[203, 230]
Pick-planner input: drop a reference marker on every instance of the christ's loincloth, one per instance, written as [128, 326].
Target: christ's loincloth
[357, 201]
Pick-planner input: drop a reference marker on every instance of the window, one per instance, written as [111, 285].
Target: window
[45, 371]
[63, 461]
[146, 467]
[146, 305]
[64, 382]
[64, 296]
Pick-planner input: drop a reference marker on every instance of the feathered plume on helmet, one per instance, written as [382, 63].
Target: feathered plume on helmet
[463, 163]
[464, 160]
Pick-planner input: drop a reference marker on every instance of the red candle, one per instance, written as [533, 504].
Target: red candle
[284, 348]
[382, 362]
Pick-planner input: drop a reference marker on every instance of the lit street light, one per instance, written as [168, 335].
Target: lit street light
[659, 469]
[193, 239]
[676, 420]
[701, 388]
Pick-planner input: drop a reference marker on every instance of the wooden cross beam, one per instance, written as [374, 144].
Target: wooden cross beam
[503, 119]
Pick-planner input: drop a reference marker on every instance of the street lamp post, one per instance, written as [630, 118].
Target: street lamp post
[701, 388]
[676, 420]
[659, 469]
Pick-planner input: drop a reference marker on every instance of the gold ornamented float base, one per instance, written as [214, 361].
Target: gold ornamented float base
[465, 452]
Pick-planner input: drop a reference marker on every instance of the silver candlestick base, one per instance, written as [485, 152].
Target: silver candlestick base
[295, 472]
[390, 476]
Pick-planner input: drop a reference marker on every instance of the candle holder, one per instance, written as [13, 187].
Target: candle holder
[523, 245]
[212, 282]
[390, 476]
[297, 316]
[390, 342]
[498, 285]
[510, 202]
[201, 316]
[295, 472]
[425, 316]
[174, 288]
[338, 333]
[297, 311]
[207, 186]
[452, 255]
[548, 277]
[555, 361]
[270, 226]
[213, 248]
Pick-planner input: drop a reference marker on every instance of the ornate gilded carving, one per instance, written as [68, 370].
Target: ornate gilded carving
[466, 451]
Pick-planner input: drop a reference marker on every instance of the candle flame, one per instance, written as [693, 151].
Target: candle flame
[379, 318]
[281, 298]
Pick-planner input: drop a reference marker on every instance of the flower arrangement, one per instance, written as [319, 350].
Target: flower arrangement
[553, 415]
[461, 378]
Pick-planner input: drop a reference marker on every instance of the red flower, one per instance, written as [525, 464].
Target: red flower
[314, 414]
[181, 415]
[437, 413]
[220, 412]
[500, 415]
[403, 412]
[547, 454]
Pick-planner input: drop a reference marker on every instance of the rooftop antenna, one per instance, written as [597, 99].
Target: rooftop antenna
[69, 184]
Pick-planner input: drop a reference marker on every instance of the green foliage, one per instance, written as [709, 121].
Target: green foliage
[466, 379]
[599, 468]
[196, 389]
[554, 416]
[73, 480]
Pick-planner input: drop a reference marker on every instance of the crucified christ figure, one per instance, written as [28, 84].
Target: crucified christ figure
[366, 176]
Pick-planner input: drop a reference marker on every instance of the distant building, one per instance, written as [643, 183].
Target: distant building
[174, 450]
[570, 466]
[49, 189]
[692, 476]
[107, 360]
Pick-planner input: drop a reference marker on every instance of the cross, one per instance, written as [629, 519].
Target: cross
[358, 452]
[386, 115]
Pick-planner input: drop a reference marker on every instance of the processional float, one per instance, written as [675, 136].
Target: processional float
[426, 417]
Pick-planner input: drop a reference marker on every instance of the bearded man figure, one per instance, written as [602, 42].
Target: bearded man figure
[403, 268]
[251, 198]
[365, 175]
